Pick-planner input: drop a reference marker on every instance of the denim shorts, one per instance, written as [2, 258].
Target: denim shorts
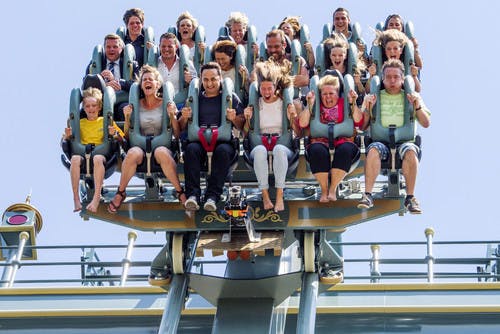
[383, 150]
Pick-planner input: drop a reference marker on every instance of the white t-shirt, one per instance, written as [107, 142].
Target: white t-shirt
[271, 116]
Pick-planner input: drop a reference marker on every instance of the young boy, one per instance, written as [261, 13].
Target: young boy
[91, 131]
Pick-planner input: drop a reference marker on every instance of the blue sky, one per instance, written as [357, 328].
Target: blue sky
[49, 43]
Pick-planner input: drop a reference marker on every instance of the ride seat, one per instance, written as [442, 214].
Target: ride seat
[239, 59]
[255, 137]
[98, 64]
[109, 148]
[332, 130]
[149, 169]
[199, 36]
[204, 133]
[393, 136]
[148, 34]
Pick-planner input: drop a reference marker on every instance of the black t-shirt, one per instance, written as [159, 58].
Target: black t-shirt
[209, 112]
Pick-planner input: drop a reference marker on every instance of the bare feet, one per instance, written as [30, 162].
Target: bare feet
[268, 204]
[92, 207]
[266, 200]
[77, 205]
[280, 205]
[332, 195]
[324, 198]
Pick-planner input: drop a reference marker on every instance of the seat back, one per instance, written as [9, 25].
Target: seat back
[354, 28]
[225, 128]
[409, 29]
[240, 59]
[199, 36]
[98, 63]
[378, 57]
[398, 135]
[148, 34]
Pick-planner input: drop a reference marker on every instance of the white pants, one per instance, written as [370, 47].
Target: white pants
[281, 154]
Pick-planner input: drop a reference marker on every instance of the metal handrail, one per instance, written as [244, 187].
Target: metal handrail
[377, 268]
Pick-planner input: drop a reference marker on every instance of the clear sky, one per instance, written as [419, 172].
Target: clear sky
[49, 43]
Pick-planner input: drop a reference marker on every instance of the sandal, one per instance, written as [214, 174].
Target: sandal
[179, 194]
[112, 207]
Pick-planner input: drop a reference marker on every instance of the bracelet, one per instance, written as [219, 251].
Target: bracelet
[419, 108]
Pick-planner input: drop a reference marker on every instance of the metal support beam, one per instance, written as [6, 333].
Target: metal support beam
[429, 233]
[174, 305]
[132, 236]
[306, 320]
[249, 315]
[10, 271]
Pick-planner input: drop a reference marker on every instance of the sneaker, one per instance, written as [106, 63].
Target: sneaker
[412, 206]
[191, 204]
[210, 205]
[366, 202]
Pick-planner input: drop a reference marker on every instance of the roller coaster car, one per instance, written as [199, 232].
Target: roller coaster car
[109, 148]
[149, 169]
[239, 59]
[391, 135]
[199, 37]
[255, 137]
[148, 34]
[183, 54]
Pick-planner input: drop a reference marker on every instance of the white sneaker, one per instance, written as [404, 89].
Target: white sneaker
[191, 204]
[210, 205]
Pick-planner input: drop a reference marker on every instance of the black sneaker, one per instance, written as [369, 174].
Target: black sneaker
[411, 204]
[366, 202]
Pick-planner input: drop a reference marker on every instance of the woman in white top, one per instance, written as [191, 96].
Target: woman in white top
[271, 82]
[150, 116]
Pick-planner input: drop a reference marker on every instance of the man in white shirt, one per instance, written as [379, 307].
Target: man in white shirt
[169, 63]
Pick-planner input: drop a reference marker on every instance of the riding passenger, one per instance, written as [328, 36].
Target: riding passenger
[225, 55]
[169, 62]
[242, 34]
[186, 27]
[150, 115]
[346, 152]
[91, 132]
[134, 20]
[292, 28]
[341, 23]
[195, 154]
[393, 43]
[112, 65]
[392, 112]
[237, 24]
[395, 21]
[272, 81]
[337, 48]
[276, 48]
